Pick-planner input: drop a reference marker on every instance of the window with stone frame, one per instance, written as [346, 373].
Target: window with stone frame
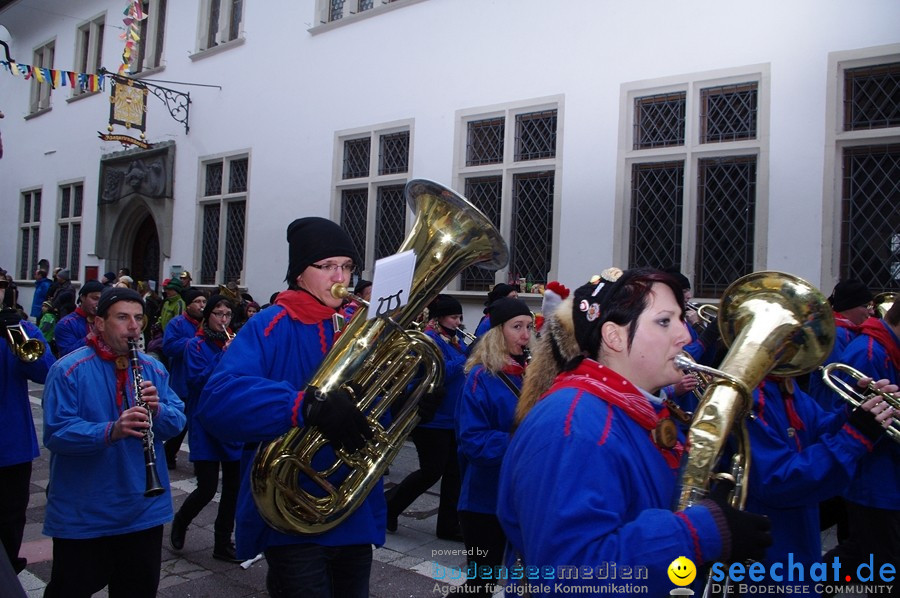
[221, 22]
[29, 233]
[372, 167]
[331, 11]
[89, 49]
[40, 90]
[508, 167]
[68, 226]
[869, 171]
[691, 202]
[223, 214]
[149, 51]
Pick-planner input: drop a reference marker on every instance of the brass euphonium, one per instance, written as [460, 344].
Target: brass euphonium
[380, 356]
[773, 323]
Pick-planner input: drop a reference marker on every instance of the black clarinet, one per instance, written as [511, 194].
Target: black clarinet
[153, 485]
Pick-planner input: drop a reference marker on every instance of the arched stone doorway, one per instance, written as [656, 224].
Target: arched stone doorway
[145, 262]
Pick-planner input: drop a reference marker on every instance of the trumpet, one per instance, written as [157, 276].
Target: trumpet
[707, 312]
[465, 335]
[153, 486]
[852, 395]
[229, 334]
[26, 349]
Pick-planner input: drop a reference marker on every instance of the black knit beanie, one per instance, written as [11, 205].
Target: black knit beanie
[444, 305]
[506, 308]
[500, 290]
[587, 311]
[848, 294]
[311, 239]
[91, 286]
[189, 295]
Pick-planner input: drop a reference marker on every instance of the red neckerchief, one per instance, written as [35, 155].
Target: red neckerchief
[608, 385]
[302, 306]
[842, 322]
[873, 327]
[87, 318]
[120, 362]
[513, 368]
[188, 317]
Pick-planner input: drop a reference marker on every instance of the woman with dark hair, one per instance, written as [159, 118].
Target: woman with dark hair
[588, 478]
[201, 356]
[484, 420]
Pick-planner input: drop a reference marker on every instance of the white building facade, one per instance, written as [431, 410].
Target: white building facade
[720, 138]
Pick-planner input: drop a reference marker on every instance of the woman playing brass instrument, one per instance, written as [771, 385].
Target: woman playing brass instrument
[201, 356]
[590, 474]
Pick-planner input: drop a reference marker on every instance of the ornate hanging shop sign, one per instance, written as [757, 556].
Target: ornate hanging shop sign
[127, 108]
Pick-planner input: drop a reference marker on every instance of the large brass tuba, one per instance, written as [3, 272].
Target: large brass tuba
[298, 487]
[773, 323]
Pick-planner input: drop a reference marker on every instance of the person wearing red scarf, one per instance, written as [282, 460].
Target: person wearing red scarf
[105, 530]
[872, 508]
[260, 391]
[590, 475]
[71, 331]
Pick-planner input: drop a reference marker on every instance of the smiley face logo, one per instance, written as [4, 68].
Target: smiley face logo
[682, 571]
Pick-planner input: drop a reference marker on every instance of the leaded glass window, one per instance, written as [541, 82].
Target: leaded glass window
[356, 158]
[728, 113]
[336, 10]
[726, 222]
[394, 155]
[354, 211]
[390, 224]
[484, 141]
[485, 194]
[872, 97]
[659, 120]
[536, 135]
[224, 206]
[531, 236]
[366, 5]
[657, 209]
[870, 235]
[69, 225]
[29, 233]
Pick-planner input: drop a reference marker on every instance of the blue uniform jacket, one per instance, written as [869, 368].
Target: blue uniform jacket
[180, 330]
[71, 332]
[485, 416]
[582, 484]
[796, 463]
[96, 484]
[454, 376]
[877, 480]
[255, 395]
[201, 356]
[18, 441]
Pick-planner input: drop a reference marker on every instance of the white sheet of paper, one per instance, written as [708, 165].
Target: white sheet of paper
[391, 283]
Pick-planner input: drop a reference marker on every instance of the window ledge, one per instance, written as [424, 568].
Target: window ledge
[37, 113]
[148, 72]
[217, 49]
[378, 9]
[81, 96]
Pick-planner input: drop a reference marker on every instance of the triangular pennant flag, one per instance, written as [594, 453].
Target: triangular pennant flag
[71, 77]
[39, 75]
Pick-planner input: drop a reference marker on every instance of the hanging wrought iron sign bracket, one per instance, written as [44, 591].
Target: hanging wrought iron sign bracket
[178, 103]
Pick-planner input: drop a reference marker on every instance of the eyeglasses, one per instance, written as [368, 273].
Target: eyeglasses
[199, 301]
[332, 268]
[222, 314]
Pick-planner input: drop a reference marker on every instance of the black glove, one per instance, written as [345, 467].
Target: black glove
[751, 534]
[865, 422]
[337, 417]
[10, 317]
[430, 403]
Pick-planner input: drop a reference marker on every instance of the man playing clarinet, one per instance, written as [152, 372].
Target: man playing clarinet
[106, 527]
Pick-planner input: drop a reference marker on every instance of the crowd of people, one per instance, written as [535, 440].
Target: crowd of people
[558, 441]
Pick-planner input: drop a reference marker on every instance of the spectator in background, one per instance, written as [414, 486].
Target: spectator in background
[173, 304]
[109, 279]
[64, 295]
[185, 278]
[41, 285]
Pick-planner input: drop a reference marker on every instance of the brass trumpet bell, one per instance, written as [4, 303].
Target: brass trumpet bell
[883, 302]
[26, 349]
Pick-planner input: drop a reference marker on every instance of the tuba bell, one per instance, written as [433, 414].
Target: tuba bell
[297, 487]
[883, 302]
[773, 323]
